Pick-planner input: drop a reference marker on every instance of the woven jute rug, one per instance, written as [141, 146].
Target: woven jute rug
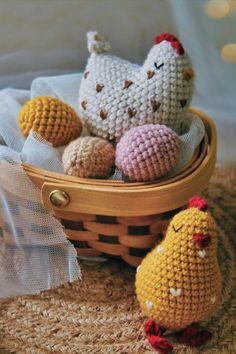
[100, 314]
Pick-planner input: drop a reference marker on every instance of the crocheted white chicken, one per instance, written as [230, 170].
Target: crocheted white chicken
[116, 95]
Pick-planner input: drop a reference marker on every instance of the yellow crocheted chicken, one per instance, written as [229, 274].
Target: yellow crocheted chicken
[179, 283]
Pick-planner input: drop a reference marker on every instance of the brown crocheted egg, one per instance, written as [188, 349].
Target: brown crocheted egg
[54, 120]
[147, 152]
[89, 157]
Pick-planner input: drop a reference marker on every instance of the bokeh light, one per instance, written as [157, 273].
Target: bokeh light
[217, 8]
[232, 6]
[228, 53]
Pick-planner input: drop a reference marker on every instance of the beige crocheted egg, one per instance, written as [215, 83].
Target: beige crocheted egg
[89, 157]
[54, 120]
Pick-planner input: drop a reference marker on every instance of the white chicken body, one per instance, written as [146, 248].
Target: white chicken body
[116, 95]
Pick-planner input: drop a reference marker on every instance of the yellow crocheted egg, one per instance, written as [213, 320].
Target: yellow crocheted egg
[54, 120]
[179, 283]
[89, 157]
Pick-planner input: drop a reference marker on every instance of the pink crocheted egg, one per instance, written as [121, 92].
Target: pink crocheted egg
[89, 157]
[147, 152]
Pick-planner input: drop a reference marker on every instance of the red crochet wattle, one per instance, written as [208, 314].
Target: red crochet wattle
[202, 240]
[175, 43]
[198, 202]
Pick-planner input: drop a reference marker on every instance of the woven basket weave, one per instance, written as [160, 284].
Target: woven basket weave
[114, 218]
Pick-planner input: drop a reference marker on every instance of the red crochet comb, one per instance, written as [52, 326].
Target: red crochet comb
[175, 43]
[197, 202]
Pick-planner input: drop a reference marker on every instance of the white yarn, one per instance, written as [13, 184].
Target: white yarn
[96, 43]
[109, 109]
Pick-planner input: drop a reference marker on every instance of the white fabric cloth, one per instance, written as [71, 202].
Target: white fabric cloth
[34, 252]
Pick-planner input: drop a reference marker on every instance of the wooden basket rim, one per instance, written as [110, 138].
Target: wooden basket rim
[126, 200]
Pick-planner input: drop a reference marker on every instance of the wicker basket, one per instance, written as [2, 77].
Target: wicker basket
[114, 218]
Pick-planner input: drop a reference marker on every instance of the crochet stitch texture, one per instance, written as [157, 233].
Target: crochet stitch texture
[51, 118]
[116, 95]
[89, 157]
[179, 282]
[147, 152]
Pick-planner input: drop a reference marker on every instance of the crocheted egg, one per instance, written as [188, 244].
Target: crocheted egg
[116, 95]
[147, 152]
[179, 282]
[51, 118]
[89, 157]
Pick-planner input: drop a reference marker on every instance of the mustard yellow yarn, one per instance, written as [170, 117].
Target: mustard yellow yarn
[179, 283]
[51, 118]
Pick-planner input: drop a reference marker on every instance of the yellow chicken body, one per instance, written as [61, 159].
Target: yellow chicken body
[179, 281]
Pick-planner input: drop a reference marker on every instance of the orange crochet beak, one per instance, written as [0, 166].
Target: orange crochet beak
[188, 74]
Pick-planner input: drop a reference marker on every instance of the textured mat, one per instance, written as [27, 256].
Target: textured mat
[100, 314]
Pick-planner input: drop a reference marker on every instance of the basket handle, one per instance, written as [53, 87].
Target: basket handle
[80, 198]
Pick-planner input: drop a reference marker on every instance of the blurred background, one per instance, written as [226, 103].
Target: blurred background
[48, 37]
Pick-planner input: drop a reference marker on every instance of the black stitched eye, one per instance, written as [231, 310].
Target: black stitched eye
[158, 66]
[176, 229]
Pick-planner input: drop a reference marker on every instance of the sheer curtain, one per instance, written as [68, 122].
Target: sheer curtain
[42, 37]
[205, 36]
